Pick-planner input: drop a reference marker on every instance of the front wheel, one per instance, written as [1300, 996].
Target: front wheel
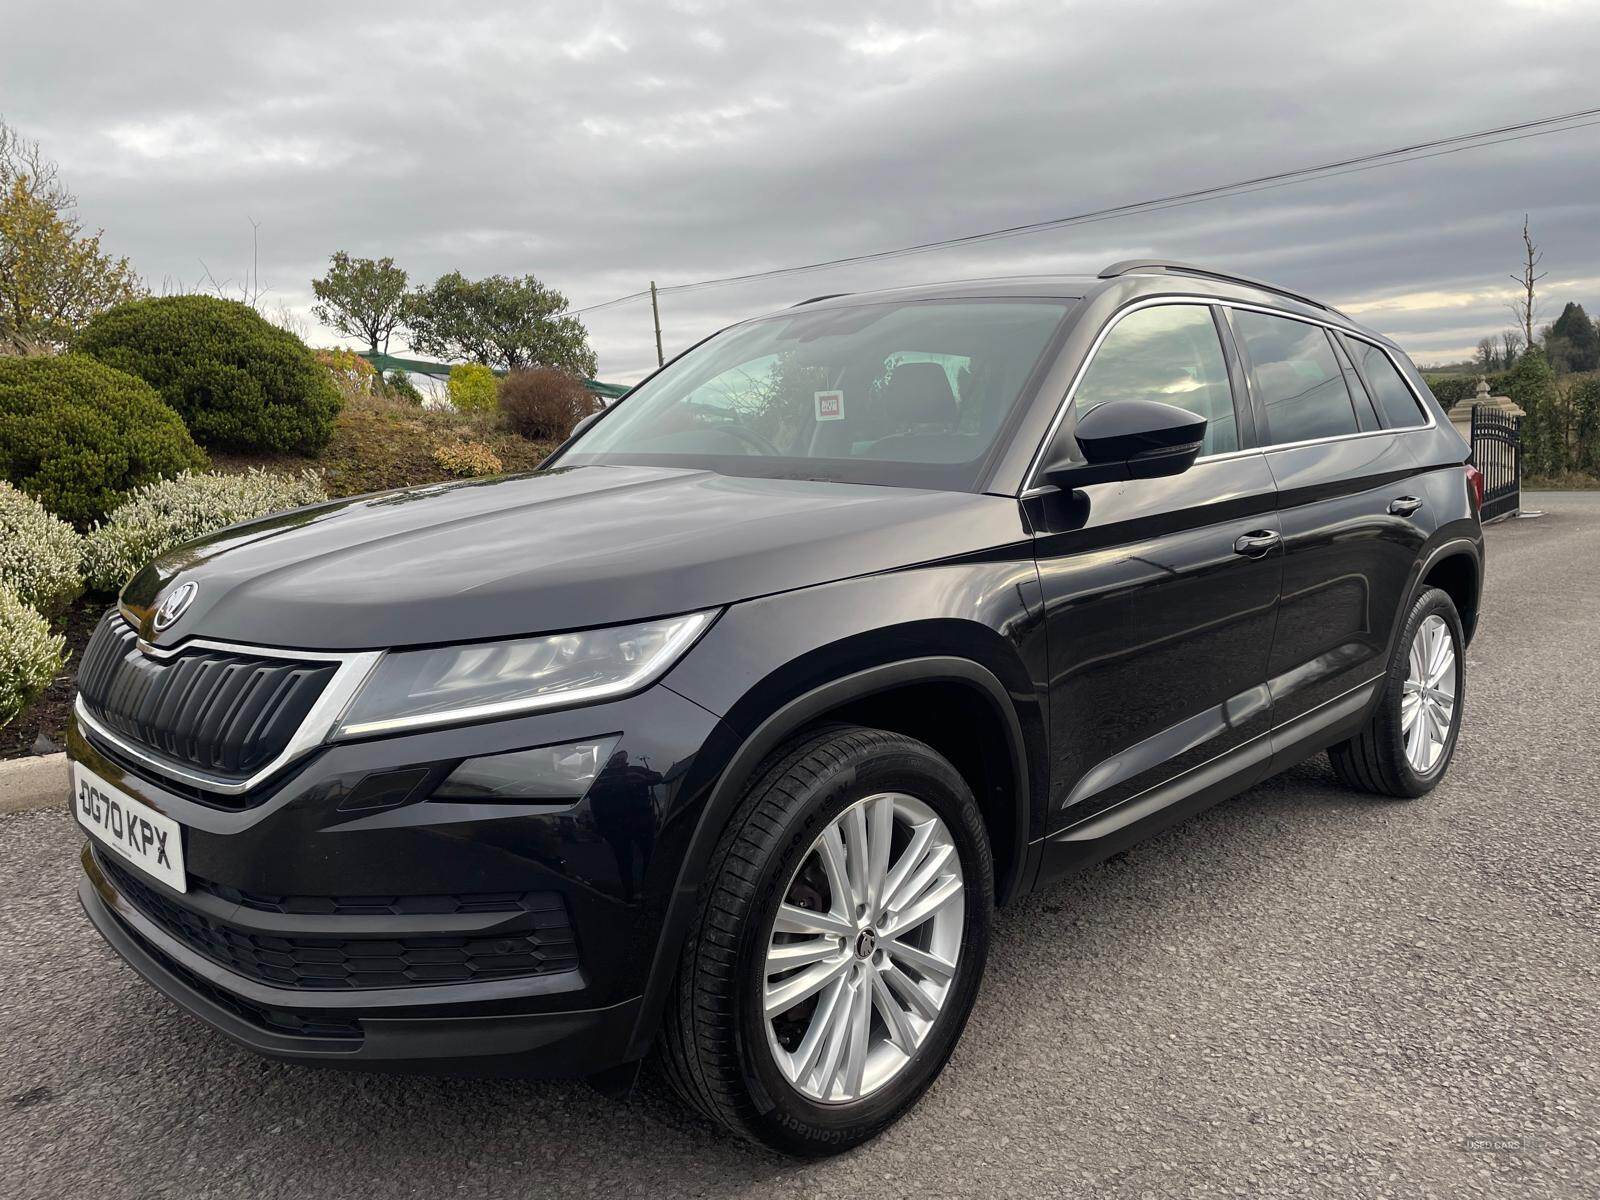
[839, 944]
[1406, 747]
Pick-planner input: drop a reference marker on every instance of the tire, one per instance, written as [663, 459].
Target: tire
[718, 1049]
[1377, 759]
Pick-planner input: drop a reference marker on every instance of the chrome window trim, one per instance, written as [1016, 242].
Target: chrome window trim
[1030, 488]
[321, 721]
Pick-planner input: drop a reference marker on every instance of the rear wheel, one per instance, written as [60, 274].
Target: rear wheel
[1406, 747]
[839, 945]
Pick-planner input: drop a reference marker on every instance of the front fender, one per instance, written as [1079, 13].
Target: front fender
[770, 667]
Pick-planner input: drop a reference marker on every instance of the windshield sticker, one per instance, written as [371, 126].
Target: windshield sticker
[830, 405]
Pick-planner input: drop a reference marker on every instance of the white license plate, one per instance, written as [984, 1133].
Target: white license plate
[129, 827]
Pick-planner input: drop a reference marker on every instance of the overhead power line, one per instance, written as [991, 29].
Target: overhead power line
[1415, 152]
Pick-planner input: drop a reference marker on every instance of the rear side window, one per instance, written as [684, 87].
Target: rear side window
[1399, 406]
[1297, 377]
[1169, 353]
[1366, 415]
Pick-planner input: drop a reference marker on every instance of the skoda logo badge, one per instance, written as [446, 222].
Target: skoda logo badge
[175, 605]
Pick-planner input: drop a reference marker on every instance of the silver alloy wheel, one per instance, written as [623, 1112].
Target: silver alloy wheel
[1428, 701]
[863, 949]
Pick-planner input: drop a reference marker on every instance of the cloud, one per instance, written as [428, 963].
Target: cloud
[602, 146]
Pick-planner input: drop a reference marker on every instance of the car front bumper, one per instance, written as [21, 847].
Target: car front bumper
[284, 885]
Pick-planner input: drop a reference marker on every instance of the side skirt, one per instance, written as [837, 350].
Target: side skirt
[1097, 838]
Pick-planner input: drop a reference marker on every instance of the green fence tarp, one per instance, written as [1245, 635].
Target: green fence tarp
[439, 370]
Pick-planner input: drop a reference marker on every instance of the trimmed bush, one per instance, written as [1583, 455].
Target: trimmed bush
[165, 515]
[76, 434]
[468, 460]
[29, 655]
[237, 380]
[38, 553]
[472, 387]
[543, 404]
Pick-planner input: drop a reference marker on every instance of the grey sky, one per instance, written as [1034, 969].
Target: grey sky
[602, 145]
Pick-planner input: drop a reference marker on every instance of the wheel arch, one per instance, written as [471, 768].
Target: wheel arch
[1456, 568]
[1453, 562]
[857, 697]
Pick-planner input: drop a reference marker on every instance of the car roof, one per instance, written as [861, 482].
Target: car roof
[1133, 279]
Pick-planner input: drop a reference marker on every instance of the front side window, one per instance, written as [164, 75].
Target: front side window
[1297, 377]
[915, 394]
[1399, 406]
[1168, 353]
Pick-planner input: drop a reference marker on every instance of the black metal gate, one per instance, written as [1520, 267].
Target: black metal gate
[1497, 452]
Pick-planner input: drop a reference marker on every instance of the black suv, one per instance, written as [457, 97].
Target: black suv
[722, 734]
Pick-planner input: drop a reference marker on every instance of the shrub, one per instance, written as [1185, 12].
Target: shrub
[76, 434]
[399, 385]
[164, 515]
[543, 404]
[1532, 385]
[468, 460]
[38, 553]
[349, 370]
[1585, 397]
[29, 655]
[239, 382]
[472, 387]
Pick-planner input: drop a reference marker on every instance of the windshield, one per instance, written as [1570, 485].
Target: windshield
[913, 394]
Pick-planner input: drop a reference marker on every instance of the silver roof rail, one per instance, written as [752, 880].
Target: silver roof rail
[1135, 266]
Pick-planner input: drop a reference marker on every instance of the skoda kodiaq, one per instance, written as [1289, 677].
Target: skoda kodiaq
[721, 735]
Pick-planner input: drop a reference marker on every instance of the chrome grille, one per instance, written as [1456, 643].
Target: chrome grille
[225, 713]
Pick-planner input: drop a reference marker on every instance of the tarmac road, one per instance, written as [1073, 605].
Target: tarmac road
[1301, 992]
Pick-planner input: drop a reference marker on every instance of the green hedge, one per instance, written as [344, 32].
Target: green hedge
[237, 380]
[76, 434]
[1452, 389]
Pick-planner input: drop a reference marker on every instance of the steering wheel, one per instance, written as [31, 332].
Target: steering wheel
[751, 438]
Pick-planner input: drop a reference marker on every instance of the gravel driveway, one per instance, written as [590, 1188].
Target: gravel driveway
[1301, 992]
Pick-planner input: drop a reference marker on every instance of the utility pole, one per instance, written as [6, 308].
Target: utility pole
[655, 311]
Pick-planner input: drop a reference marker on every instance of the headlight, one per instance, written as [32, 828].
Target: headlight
[412, 688]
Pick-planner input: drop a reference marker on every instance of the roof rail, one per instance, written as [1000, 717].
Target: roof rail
[1133, 266]
[815, 299]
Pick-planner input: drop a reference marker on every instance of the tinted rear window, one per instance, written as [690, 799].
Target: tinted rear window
[1400, 408]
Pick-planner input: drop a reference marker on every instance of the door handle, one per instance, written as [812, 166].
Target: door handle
[1257, 543]
[1404, 506]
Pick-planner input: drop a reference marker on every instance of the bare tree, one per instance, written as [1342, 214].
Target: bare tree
[1526, 309]
[251, 289]
[1510, 347]
[21, 160]
[1487, 355]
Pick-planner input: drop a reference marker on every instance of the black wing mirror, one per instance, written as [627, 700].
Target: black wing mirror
[1128, 439]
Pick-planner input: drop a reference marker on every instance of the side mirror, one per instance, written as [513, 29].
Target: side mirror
[1129, 439]
[585, 423]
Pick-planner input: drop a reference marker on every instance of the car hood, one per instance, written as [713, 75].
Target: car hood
[567, 548]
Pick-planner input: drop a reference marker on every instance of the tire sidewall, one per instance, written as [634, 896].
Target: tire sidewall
[799, 1123]
[1433, 602]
